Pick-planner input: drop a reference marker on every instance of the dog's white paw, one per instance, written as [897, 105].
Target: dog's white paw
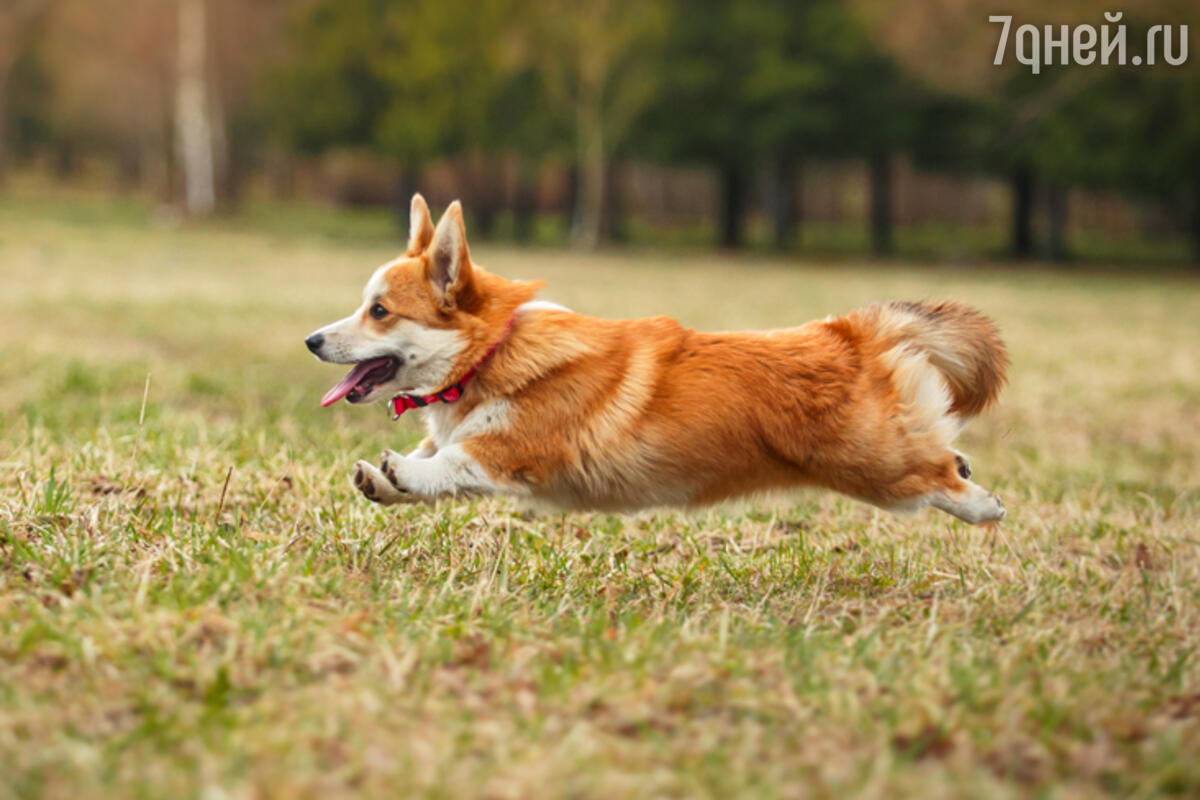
[391, 465]
[371, 482]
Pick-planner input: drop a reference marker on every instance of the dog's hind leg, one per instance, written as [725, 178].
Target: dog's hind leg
[970, 503]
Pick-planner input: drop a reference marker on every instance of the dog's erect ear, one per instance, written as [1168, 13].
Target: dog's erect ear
[449, 261]
[420, 227]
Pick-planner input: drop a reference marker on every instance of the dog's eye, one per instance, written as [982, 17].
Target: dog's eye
[378, 311]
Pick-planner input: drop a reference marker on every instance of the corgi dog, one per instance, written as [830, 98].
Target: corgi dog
[526, 398]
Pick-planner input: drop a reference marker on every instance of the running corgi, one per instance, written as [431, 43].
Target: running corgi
[526, 398]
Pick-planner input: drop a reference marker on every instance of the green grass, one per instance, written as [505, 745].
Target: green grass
[163, 634]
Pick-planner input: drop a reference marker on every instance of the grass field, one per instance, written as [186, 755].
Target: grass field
[193, 601]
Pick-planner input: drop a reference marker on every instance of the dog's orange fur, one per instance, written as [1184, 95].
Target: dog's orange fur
[621, 414]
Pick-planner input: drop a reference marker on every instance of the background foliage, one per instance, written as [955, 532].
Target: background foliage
[534, 109]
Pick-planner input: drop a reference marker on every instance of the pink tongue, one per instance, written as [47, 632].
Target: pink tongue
[346, 384]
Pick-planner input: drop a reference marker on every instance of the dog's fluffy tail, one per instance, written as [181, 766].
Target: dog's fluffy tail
[960, 342]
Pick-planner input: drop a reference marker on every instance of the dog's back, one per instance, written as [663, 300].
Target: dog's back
[649, 413]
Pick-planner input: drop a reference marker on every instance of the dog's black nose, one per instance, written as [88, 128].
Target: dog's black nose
[314, 342]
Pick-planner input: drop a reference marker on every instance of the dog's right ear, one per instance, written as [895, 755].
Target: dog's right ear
[420, 227]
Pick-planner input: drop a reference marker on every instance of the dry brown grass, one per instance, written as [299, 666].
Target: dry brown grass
[293, 640]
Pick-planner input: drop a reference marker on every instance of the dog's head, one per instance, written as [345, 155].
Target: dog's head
[421, 316]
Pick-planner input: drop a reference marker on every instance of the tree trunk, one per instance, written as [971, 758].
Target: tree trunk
[226, 166]
[18, 24]
[162, 153]
[612, 224]
[66, 157]
[571, 196]
[587, 229]
[5, 69]
[129, 165]
[1194, 222]
[523, 202]
[798, 208]
[1056, 219]
[280, 177]
[484, 219]
[781, 202]
[882, 204]
[1022, 211]
[192, 123]
[482, 181]
[732, 202]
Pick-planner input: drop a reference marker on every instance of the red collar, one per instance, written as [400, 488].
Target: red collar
[404, 402]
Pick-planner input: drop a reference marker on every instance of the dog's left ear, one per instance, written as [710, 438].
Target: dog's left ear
[420, 227]
[449, 261]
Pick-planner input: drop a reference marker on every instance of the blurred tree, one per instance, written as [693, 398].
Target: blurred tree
[329, 91]
[595, 57]
[1169, 131]
[1138, 130]
[429, 79]
[1064, 126]
[112, 79]
[28, 105]
[441, 70]
[19, 20]
[714, 89]
[523, 122]
[193, 125]
[119, 103]
[245, 41]
[790, 85]
[780, 82]
[1135, 129]
[951, 44]
[878, 107]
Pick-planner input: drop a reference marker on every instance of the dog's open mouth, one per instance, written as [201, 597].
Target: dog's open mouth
[359, 382]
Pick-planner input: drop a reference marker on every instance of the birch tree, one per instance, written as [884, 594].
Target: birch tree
[193, 122]
[594, 57]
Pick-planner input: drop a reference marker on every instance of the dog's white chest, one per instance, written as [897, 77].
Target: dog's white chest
[446, 428]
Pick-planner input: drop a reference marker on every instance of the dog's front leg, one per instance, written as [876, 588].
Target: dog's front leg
[370, 481]
[448, 472]
[374, 485]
